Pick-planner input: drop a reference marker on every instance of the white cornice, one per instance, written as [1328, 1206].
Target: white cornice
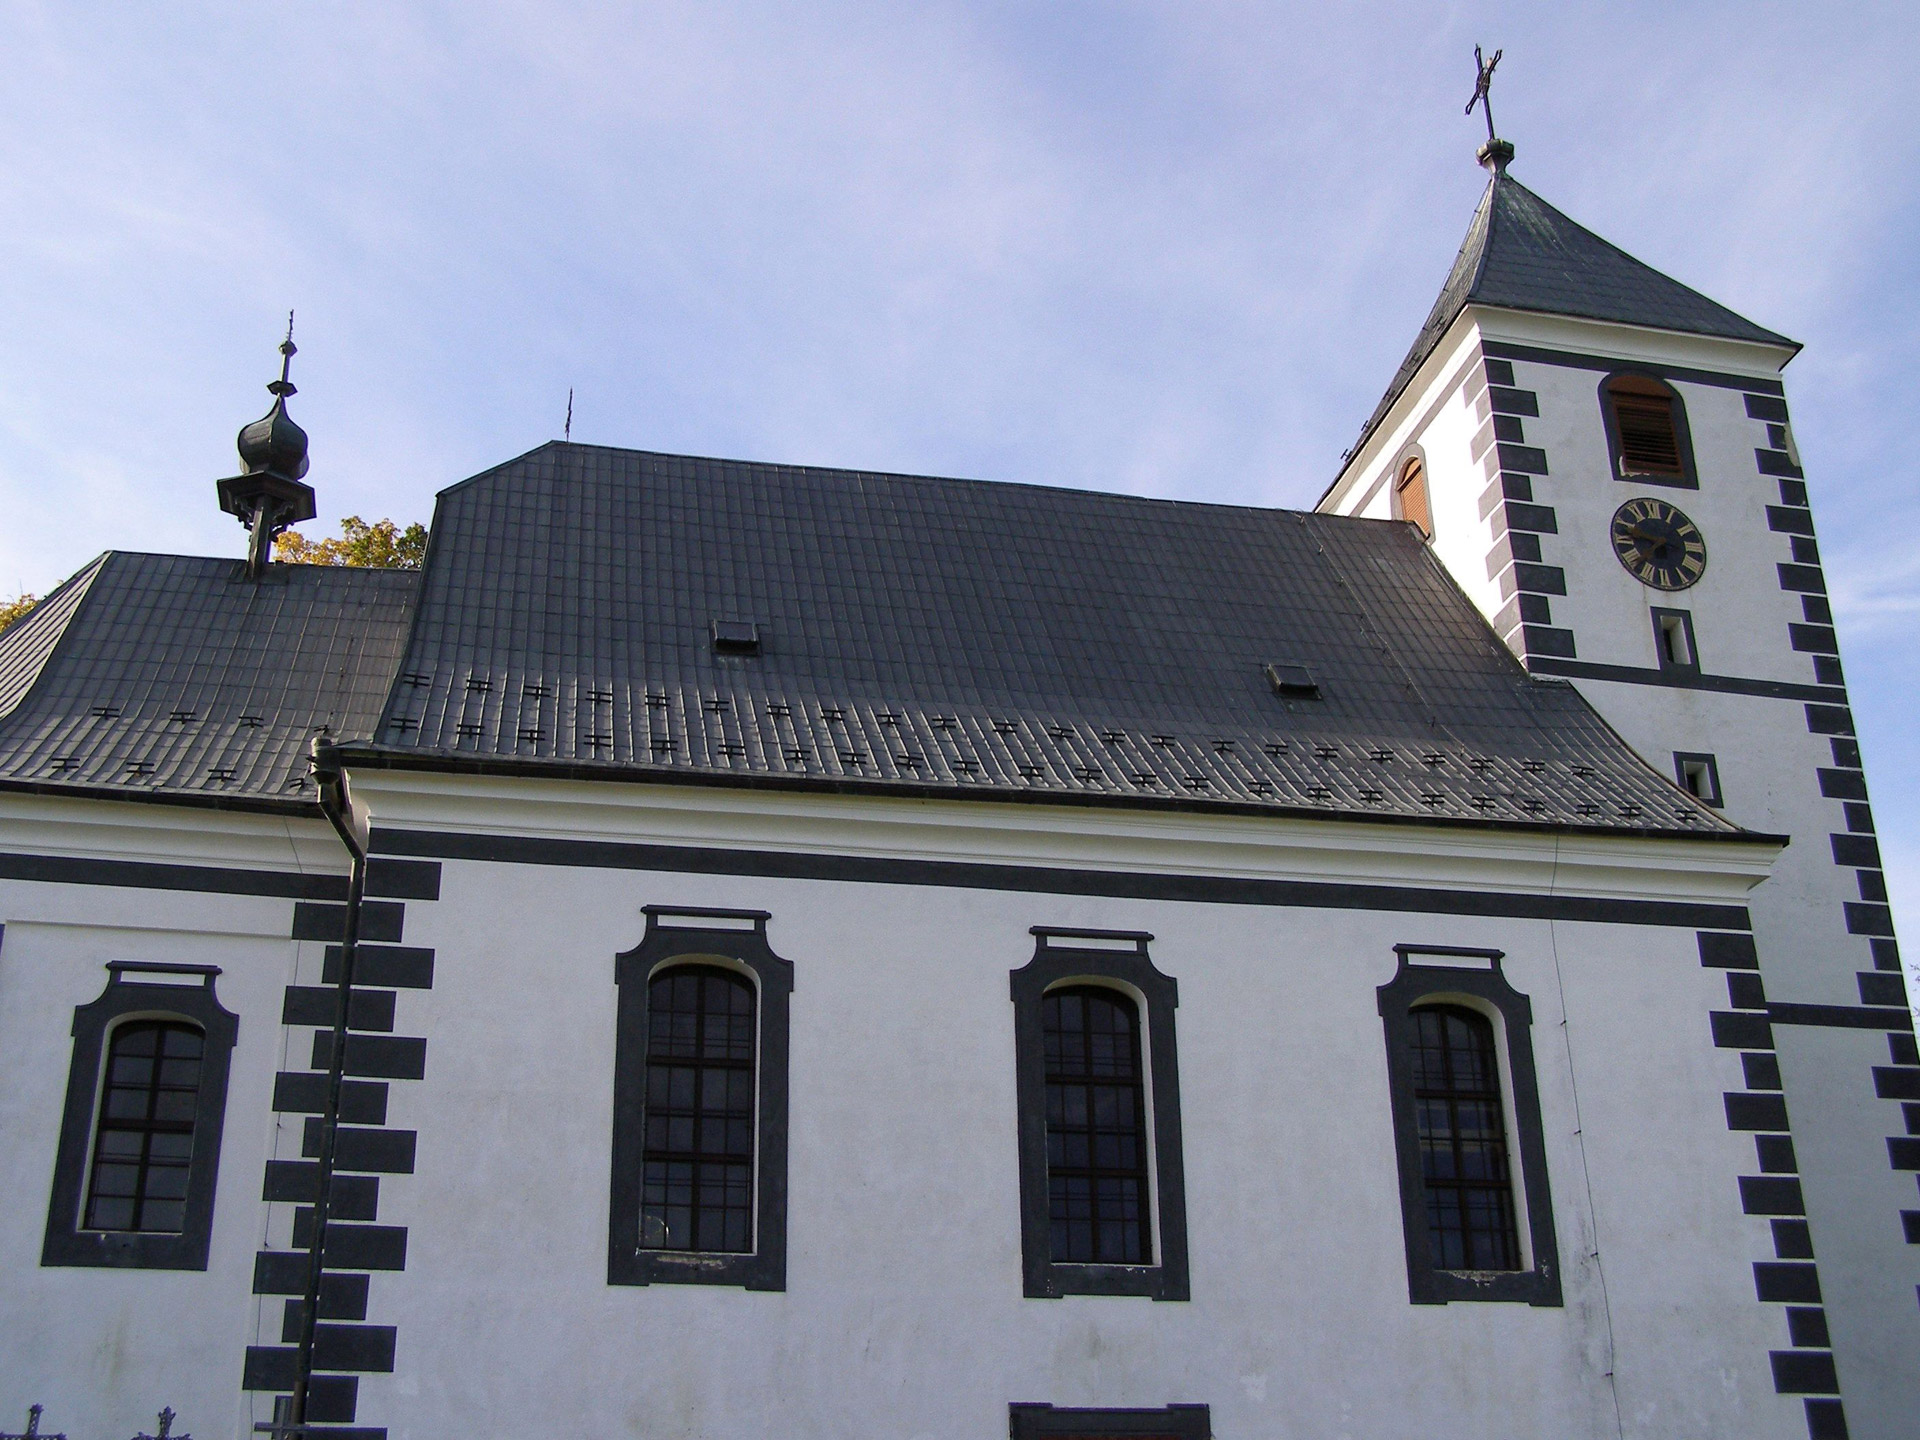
[1604, 339]
[167, 834]
[1068, 837]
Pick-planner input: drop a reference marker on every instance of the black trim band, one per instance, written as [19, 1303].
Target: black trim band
[148, 875]
[1043, 1422]
[1679, 679]
[1044, 880]
[1843, 1017]
[1573, 360]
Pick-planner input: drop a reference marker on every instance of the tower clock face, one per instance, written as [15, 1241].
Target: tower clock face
[1658, 545]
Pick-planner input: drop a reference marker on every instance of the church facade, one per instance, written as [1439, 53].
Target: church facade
[734, 950]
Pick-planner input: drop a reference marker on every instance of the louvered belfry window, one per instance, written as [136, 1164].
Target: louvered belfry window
[1643, 423]
[143, 1143]
[1410, 496]
[1463, 1140]
[1096, 1128]
[697, 1181]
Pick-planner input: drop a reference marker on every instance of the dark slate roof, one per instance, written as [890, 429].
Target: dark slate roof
[166, 676]
[1522, 254]
[960, 637]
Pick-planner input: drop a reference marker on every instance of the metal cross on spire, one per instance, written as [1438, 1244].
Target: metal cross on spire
[33, 1432]
[1482, 84]
[167, 1416]
[1496, 152]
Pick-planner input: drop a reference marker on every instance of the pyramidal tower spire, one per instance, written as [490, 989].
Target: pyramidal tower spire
[269, 494]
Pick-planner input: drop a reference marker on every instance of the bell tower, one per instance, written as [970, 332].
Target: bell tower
[1604, 460]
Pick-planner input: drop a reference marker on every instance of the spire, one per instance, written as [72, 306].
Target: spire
[1522, 254]
[269, 495]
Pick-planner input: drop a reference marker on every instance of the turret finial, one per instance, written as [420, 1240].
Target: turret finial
[268, 495]
[283, 386]
[1496, 154]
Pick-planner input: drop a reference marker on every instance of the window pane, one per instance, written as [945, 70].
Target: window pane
[697, 1176]
[1463, 1140]
[1096, 1127]
[143, 1143]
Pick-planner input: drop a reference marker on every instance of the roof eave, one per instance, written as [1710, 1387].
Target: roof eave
[381, 757]
[254, 804]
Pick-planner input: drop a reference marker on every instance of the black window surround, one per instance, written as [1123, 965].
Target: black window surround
[1698, 773]
[735, 939]
[1689, 477]
[185, 995]
[1673, 629]
[1175, 1422]
[1117, 959]
[1483, 987]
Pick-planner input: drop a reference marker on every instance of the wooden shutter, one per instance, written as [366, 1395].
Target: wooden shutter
[1410, 496]
[1644, 425]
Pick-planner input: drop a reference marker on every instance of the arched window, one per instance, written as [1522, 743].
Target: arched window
[1647, 427]
[1463, 1140]
[143, 1142]
[1410, 496]
[697, 1165]
[698, 1192]
[1097, 1191]
[139, 1158]
[1097, 1078]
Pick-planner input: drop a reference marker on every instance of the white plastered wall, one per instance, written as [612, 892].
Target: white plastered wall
[903, 1314]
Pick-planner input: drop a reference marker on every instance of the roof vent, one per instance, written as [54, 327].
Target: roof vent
[736, 637]
[1293, 682]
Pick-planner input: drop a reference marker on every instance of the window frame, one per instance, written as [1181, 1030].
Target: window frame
[1119, 960]
[1045, 1422]
[1139, 1088]
[125, 1001]
[1417, 983]
[1710, 770]
[700, 935]
[1663, 617]
[739, 988]
[1689, 476]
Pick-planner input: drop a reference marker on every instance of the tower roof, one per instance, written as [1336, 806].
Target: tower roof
[1522, 254]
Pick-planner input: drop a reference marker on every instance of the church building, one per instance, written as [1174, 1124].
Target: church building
[738, 951]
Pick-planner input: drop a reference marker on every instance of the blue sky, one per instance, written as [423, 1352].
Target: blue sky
[1174, 249]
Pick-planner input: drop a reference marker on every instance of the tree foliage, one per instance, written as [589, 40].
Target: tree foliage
[381, 544]
[16, 609]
